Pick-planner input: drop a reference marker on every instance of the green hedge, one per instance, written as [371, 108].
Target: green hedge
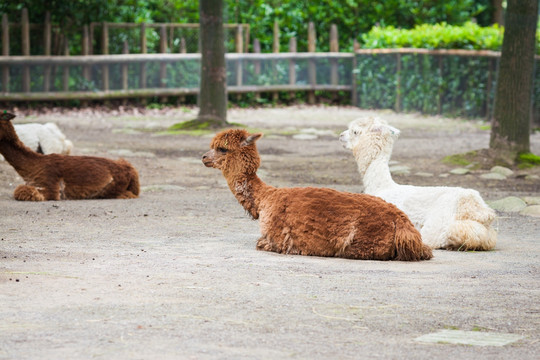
[469, 36]
[430, 84]
[433, 84]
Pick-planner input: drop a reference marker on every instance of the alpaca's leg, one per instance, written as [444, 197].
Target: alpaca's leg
[472, 207]
[134, 186]
[127, 195]
[434, 232]
[470, 235]
[267, 244]
[264, 244]
[28, 193]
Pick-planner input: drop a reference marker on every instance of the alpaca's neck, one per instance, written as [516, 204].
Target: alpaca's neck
[373, 167]
[18, 155]
[377, 176]
[249, 191]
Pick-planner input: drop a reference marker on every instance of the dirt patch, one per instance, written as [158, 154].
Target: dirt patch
[175, 273]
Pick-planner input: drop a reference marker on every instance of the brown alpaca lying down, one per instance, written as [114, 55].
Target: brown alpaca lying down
[63, 177]
[313, 221]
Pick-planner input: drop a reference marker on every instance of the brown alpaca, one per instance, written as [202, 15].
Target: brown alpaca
[313, 221]
[63, 177]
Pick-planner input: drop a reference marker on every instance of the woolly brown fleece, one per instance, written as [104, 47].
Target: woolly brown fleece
[63, 177]
[313, 221]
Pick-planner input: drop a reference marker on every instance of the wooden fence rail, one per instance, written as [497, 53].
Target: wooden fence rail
[104, 62]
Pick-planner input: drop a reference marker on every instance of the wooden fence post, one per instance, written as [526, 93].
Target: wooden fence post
[163, 65]
[312, 70]
[142, 74]
[292, 65]
[86, 51]
[91, 38]
[246, 39]
[47, 51]
[239, 49]
[488, 89]
[257, 50]
[334, 47]
[25, 43]
[275, 49]
[354, 91]
[105, 51]
[65, 75]
[439, 90]
[5, 52]
[183, 48]
[397, 105]
[125, 50]
[257, 63]
[171, 38]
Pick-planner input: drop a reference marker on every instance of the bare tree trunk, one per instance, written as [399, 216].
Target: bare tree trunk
[513, 95]
[213, 88]
[498, 12]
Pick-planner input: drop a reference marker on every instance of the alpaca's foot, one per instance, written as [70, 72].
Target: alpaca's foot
[264, 244]
[466, 235]
[127, 195]
[28, 193]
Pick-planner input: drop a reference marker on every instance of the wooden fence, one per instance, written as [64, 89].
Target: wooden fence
[54, 42]
[174, 72]
[245, 71]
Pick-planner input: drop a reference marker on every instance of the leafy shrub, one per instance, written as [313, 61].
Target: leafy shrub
[439, 36]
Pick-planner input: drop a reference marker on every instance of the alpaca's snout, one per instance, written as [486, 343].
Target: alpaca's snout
[208, 159]
[344, 139]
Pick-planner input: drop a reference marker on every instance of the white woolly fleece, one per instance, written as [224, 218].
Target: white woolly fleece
[447, 217]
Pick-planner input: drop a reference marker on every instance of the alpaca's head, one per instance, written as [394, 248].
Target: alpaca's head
[6, 127]
[233, 152]
[368, 139]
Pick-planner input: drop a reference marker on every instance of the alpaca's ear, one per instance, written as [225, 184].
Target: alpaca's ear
[6, 116]
[251, 139]
[393, 131]
[385, 129]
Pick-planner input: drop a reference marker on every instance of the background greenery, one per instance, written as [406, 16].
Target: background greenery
[353, 17]
[450, 85]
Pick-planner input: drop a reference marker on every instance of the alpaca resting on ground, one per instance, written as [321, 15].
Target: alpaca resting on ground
[63, 177]
[447, 217]
[313, 221]
[44, 138]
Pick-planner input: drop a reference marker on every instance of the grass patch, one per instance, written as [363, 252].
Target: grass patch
[202, 126]
[528, 160]
[478, 328]
[451, 327]
[460, 159]
[485, 127]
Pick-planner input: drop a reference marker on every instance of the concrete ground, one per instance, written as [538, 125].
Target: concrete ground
[175, 274]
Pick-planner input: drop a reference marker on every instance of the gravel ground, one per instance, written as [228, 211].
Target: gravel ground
[175, 274]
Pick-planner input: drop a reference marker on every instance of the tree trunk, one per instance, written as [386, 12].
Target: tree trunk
[213, 88]
[498, 12]
[512, 109]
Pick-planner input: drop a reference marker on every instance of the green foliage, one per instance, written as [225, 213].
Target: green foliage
[439, 36]
[528, 160]
[459, 159]
[450, 85]
[353, 17]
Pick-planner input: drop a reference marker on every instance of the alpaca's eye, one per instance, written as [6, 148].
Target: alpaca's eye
[355, 132]
[222, 150]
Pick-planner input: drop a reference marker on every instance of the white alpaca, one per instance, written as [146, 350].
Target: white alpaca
[44, 138]
[447, 217]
